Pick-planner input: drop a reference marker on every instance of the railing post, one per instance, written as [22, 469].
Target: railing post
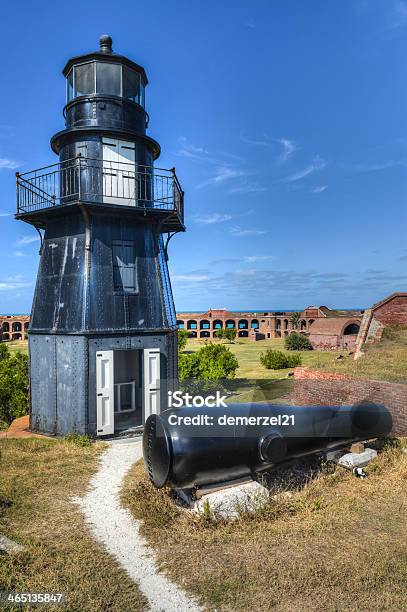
[79, 158]
[18, 191]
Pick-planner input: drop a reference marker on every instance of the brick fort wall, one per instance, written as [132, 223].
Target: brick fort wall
[316, 388]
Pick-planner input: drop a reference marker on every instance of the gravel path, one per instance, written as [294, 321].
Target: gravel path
[119, 532]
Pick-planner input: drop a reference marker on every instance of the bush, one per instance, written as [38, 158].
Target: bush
[182, 339]
[212, 362]
[227, 334]
[276, 360]
[14, 399]
[297, 342]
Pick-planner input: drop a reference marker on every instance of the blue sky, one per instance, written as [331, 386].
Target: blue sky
[285, 119]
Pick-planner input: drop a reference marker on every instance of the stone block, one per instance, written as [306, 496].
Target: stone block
[352, 460]
[230, 503]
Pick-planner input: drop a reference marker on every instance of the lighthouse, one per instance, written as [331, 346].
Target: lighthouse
[103, 335]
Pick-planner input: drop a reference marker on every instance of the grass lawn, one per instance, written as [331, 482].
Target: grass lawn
[386, 360]
[338, 543]
[37, 480]
[253, 382]
[21, 345]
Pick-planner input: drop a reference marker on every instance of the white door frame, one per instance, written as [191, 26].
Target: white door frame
[104, 393]
[151, 382]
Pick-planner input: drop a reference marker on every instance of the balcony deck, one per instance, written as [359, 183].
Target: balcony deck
[111, 186]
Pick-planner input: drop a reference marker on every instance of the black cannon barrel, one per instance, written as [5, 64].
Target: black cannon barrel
[190, 447]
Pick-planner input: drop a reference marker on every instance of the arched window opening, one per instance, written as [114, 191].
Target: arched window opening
[351, 330]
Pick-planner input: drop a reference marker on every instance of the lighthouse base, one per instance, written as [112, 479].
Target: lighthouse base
[99, 385]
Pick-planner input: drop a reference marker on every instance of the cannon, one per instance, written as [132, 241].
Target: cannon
[191, 447]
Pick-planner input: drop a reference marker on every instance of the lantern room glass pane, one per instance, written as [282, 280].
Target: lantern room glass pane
[84, 79]
[131, 84]
[142, 95]
[108, 78]
[69, 91]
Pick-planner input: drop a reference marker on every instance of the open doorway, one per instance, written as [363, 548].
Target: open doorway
[127, 388]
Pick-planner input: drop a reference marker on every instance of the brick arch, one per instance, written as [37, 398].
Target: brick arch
[351, 329]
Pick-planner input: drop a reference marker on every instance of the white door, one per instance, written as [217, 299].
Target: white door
[119, 172]
[151, 383]
[104, 393]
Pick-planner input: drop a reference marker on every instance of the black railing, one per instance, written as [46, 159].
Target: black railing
[99, 182]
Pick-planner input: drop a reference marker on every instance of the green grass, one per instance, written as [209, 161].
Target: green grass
[13, 346]
[386, 360]
[253, 382]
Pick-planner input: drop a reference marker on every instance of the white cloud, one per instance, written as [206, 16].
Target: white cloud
[247, 187]
[189, 150]
[317, 164]
[26, 240]
[194, 277]
[320, 188]
[212, 218]
[12, 283]
[376, 166]
[4, 214]
[288, 146]
[238, 231]
[18, 254]
[266, 141]
[256, 258]
[200, 154]
[8, 164]
[222, 175]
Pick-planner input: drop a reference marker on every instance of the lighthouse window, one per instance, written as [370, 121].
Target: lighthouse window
[108, 78]
[84, 79]
[131, 84]
[70, 86]
[124, 266]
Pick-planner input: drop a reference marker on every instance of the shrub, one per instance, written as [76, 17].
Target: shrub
[297, 342]
[230, 333]
[4, 352]
[227, 334]
[212, 362]
[13, 385]
[276, 360]
[182, 339]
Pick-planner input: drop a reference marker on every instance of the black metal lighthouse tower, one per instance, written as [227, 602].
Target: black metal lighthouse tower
[102, 338]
